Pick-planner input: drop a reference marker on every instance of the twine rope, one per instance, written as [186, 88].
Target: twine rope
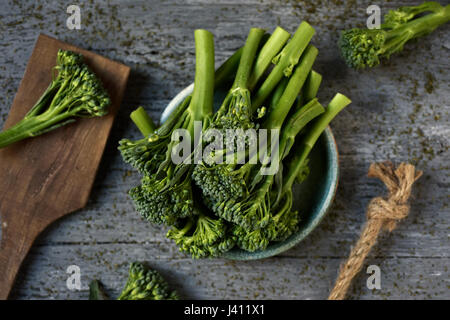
[382, 214]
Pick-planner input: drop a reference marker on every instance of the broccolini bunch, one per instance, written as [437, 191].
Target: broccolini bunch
[214, 206]
[74, 92]
[362, 48]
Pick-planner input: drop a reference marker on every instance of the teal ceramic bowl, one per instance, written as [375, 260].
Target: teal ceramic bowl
[312, 198]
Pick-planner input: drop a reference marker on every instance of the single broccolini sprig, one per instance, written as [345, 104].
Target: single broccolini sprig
[235, 111]
[285, 221]
[271, 48]
[143, 283]
[74, 92]
[362, 48]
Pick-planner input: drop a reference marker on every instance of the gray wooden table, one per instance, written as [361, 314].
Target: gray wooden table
[400, 112]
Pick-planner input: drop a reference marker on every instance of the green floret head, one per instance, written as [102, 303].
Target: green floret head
[145, 154]
[362, 48]
[219, 183]
[83, 94]
[235, 112]
[251, 213]
[283, 225]
[255, 240]
[158, 201]
[395, 18]
[67, 58]
[398, 17]
[202, 236]
[284, 221]
[146, 284]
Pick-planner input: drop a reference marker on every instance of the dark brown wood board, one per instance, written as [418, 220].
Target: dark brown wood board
[49, 176]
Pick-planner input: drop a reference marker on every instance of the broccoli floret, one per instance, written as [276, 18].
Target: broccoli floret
[147, 154]
[146, 284]
[254, 240]
[221, 182]
[160, 202]
[284, 221]
[362, 48]
[143, 284]
[202, 235]
[253, 212]
[74, 92]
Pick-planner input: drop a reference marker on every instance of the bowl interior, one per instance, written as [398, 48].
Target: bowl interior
[312, 198]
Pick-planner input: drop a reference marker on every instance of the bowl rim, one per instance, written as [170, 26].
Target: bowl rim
[322, 210]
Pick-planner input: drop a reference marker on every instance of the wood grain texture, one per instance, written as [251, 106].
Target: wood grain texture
[395, 115]
[49, 176]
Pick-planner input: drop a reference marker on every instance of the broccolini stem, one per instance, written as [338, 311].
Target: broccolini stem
[299, 119]
[32, 127]
[270, 49]
[278, 114]
[201, 104]
[311, 86]
[303, 149]
[276, 118]
[143, 121]
[285, 62]
[248, 57]
[395, 18]
[227, 69]
[415, 28]
[43, 100]
[277, 93]
[55, 104]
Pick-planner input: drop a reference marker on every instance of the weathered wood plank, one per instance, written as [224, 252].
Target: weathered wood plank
[393, 116]
[276, 278]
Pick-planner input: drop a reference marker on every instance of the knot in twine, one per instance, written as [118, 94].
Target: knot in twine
[382, 214]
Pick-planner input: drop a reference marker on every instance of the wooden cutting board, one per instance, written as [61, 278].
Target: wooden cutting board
[47, 177]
